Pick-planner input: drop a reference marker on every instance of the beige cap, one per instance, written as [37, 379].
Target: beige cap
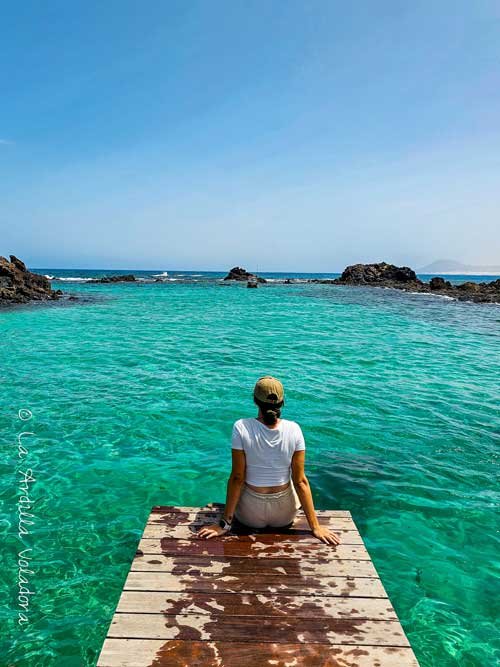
[269, 390]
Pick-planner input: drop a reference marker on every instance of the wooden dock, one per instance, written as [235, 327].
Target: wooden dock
[252, 599]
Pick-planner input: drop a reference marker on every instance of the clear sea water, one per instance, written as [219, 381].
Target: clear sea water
[133, 392]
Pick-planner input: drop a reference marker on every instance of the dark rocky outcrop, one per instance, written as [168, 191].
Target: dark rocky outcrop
[127, 278]
[18, 285]
[404, 278]
[242, 275]
[378, 274]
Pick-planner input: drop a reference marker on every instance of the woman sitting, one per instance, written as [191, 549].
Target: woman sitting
[268, 454]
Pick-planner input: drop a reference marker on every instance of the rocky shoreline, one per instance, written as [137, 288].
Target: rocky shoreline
[18, 285]
[394, 277]
[404, 278]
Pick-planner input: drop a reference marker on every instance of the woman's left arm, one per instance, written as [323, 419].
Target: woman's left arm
[304, 493]
[234, 487]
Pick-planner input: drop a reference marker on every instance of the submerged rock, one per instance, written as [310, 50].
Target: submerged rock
[242, 275]
[18, 285]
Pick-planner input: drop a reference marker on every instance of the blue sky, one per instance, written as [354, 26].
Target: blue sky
[278, 135]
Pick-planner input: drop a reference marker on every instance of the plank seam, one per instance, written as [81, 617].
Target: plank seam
[263, 574]
[155, 553]
[392, 621]
[262, 641]
[287, 595]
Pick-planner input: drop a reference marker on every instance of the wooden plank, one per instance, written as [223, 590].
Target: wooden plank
[284, 566]
[213, 583]
[251, 604]
[268, 629]
[219, 507]
[193, 519]
[187, 532]
[158, 653]
[223, 547]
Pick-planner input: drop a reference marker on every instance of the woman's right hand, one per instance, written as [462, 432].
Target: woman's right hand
[212, 530]
[325, 535]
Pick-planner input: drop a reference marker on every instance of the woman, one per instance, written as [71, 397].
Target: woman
[268, 453]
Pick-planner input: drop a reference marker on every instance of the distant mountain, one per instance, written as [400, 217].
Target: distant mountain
[451, 267]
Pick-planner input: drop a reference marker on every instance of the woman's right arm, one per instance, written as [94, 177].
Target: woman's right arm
[235, 483]
[234, 487]
[304, 493]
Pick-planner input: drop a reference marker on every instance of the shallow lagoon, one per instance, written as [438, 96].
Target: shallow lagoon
[133, 394]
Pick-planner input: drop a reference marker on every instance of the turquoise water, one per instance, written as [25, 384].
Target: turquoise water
[133, 394]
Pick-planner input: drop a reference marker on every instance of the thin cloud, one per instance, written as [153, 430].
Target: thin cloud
[5, 142]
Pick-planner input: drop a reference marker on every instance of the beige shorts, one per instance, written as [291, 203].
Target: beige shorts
[258, 510]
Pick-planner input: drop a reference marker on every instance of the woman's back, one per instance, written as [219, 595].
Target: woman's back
[268, 451]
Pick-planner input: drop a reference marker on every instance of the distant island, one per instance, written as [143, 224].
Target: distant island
[451, 267]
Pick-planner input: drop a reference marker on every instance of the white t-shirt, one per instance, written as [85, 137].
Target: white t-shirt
[268, 451]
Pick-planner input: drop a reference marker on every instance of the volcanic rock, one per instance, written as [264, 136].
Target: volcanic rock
[380, 274]
[126, 278]
[18, 285]
[242, 275]
[439, 284]
[404, 278]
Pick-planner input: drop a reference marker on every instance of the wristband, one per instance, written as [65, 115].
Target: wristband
[225, 525]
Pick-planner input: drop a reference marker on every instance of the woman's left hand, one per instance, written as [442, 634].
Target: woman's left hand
[326, 535]
[211, 531]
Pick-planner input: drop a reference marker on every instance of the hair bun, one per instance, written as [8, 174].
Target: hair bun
[270, 413]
